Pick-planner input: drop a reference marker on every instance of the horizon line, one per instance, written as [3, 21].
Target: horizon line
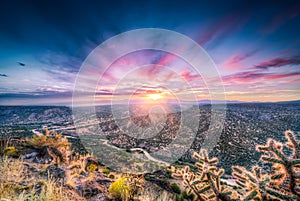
[200, 102]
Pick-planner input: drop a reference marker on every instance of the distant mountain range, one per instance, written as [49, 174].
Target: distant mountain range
[232, 102]
[289, 102]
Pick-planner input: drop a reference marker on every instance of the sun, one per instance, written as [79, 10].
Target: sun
[155, 96]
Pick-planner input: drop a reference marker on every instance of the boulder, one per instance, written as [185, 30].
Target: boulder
[54, 172]
[88, 189]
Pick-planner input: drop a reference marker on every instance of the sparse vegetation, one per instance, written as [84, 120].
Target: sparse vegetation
[147, 178]
[10, 151]
[17, 185]
[12, 174]
[126, 187]
[50, 138]
[92, 167]
[187, 196]
[29, 179]
[175, 188]
[105, 171]
[23, 180]
[51, 191]
[151, 195]
[120, 189]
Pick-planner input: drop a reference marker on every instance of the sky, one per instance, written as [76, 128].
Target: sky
[255, 46]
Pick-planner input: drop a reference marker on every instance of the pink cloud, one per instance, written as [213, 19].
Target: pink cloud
[166, 59]
[279, 62]
[152, 70]
[169, 76]
[234, 61]
[279, 76]
[189, 77]
[253, 76]
[121, 65]
[243, 77]
[109, 77]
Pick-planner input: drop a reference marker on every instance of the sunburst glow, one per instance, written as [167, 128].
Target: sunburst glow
[155, 96]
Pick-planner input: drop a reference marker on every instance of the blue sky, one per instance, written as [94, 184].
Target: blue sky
[255, 44]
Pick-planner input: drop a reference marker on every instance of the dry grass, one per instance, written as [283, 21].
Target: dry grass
[152, 195]
[13, 179]
[51, 192]
[16, 184]
[21, 180]
[11, 170]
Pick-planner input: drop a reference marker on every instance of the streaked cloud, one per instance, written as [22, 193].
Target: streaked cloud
[234, 61]
[279, 62]
[255, 76]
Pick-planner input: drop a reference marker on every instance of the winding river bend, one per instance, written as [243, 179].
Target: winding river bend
[106, 142]
[151, 158]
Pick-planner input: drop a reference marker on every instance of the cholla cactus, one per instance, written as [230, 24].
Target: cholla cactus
[55, 144]
[285, 168]
[251, 182]
[255, 185]
[206, 183]
[135, 182]
[282, 184]
[191, 180]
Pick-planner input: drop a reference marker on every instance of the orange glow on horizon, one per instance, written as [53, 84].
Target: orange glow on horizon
[155, 96]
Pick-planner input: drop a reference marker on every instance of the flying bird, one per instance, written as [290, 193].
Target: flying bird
[21, 64]
[3, 75]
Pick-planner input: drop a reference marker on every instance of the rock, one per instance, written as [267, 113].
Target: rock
[55, 172]
[104, 181]
[31, 155]
[43, 156]
[88, 189]
[163, 184]
[46, 155]
[99, 197]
